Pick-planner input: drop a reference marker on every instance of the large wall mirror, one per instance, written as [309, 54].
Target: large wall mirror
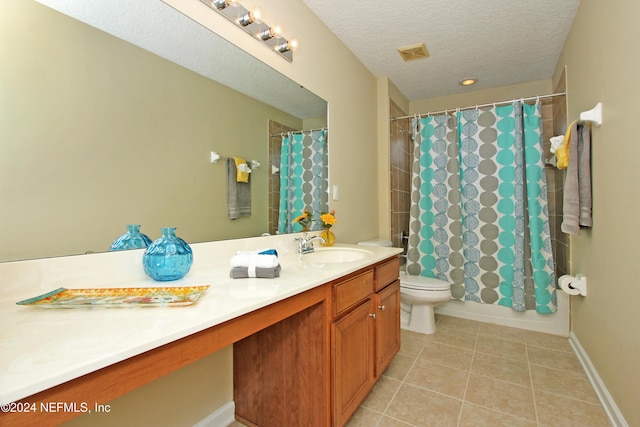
[103, 126]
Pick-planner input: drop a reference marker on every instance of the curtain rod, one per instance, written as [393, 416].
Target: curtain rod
[531, 98]
[297, 131]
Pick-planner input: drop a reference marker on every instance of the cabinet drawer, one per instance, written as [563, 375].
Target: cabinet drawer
[352, 291]
[386, 273]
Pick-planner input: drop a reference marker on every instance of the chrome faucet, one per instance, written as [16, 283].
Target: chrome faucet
[305, 244]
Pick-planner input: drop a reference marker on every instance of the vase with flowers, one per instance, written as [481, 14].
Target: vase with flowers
[304, 220]
[328, 219]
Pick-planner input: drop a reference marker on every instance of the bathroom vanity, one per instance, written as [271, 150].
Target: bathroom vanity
[308, 345]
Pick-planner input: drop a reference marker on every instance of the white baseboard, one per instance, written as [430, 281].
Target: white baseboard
[222, 417]
[610, 407]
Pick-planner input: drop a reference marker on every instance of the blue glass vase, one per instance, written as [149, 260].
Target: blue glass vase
[168, 257]
[132, 239]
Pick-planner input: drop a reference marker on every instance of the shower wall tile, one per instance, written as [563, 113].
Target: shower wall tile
[560, 241]
[400, 146]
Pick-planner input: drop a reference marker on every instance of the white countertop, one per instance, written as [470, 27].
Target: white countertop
[41, 348]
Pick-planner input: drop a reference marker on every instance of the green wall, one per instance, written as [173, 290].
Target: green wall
[96, 133]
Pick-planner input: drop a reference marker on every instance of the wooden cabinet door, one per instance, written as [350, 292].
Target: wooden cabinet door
[387, 309]
[353, 360]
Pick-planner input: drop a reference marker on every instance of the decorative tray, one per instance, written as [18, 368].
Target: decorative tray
[118, 297]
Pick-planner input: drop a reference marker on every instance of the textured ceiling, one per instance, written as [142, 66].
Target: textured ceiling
[499, 42]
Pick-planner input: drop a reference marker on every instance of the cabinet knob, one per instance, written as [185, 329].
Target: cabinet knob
[381, 307]
[372, 315]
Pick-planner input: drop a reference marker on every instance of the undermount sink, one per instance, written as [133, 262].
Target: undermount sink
[336, 255]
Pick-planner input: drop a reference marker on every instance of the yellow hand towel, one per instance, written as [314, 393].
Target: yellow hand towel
[562, 153]
[243, 170]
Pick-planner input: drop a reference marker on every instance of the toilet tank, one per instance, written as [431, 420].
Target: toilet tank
[376, 242]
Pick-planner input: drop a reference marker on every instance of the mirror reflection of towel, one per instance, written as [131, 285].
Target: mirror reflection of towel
[238, 193]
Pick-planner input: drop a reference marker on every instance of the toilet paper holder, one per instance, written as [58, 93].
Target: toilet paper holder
[573, 285]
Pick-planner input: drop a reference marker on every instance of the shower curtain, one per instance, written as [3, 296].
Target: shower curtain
[303, 179]
[479, 216]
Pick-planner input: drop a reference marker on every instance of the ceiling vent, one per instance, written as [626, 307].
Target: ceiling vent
[414, 51]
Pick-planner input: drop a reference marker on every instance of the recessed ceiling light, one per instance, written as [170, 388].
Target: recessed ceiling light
[468, 81]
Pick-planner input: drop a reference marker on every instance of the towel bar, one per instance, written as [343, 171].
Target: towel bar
[215, 157]
[594, 115]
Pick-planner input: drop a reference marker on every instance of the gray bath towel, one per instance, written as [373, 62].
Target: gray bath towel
[577, 184]
[263, 273]
[238, 193]
[584, 176]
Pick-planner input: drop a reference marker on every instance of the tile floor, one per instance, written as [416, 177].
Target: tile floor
[475, 374]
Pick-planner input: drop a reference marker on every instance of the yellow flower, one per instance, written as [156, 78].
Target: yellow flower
[328, 219]
[303, 219]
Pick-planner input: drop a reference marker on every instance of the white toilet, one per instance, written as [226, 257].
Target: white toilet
[418, 296]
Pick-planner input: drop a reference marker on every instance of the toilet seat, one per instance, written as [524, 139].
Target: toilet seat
[421, 283]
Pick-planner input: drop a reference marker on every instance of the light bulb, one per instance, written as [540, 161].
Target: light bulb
[287, 46]
[222, 4]
[270, 33]
[276, 30]
[255, 16]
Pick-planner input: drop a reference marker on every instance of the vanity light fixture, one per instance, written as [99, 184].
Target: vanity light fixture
[468, 81]
[287, 46]
[221, 4]
[253, 16]
[252, 21]
[271, 32]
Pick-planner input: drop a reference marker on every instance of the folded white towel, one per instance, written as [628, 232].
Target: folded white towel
[254, 260]
[556, 142]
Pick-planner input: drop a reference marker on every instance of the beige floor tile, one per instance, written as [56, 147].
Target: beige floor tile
[447, 355]
[421, 407]
[502, 348]
[411, 343]
[554, 342]
[510, 370]
[554, 359]
[381, 394]
[472, 374]
[399, 366]
[364, 417]
[554, 410]
[477, 416]
[463, 325]
[392, 422]
[501, 332]
[453, 337]
[568, 384]
[438, 378]
[501, 396]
